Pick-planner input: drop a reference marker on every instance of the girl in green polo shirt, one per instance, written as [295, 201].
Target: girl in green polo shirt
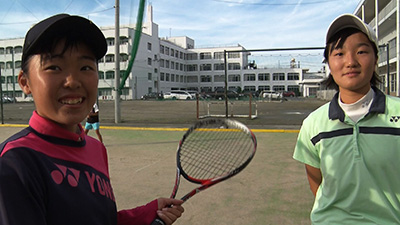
[350, 146]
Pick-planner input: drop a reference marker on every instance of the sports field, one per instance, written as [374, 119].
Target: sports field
[273, 189]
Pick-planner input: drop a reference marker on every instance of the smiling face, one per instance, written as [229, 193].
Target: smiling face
[352, 66]
[63, 84]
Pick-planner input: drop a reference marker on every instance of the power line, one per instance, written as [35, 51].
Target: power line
[259, 3]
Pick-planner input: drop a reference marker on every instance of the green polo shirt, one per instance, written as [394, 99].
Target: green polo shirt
[359, 162]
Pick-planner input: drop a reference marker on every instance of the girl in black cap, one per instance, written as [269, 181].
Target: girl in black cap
[51, 172]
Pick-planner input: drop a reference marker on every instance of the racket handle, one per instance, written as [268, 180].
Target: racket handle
[157, 221]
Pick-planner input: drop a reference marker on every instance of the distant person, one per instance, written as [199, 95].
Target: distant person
[51, 172]
[351, 145]
[92, 122]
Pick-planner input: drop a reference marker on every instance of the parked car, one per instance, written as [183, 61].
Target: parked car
[271, 94]
[254, 94]
[180, 95]
[289, 94]
[7, 99]
[152, 95]
[220, 94]
[193, 93]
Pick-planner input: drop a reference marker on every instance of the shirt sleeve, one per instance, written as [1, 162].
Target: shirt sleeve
[305, 151]
[22, 198]
[142, 215]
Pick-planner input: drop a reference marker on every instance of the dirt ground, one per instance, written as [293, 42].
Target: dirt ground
[287, 114]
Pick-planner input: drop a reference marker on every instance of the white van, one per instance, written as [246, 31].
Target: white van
[180, 95]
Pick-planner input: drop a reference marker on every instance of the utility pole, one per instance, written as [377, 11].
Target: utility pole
[1, 98]
[13, 72]
[117, 66]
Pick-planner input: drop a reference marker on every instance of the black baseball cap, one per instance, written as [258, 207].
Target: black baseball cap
[63, 25]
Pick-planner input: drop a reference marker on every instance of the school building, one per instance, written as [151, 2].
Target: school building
[163, 64]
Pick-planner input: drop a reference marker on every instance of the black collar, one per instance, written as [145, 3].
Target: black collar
[378, 105]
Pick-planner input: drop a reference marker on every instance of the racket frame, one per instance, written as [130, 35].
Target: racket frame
[209, 182]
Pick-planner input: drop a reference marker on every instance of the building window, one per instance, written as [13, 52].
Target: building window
[162, 49]
[172, 77]
[149, 61]
[192, 79]
[294, 88]
[249, 77]
[162, 76]
[233, 55]
[167, 77]
[205, 55]
[218, 55]
[205, 78]
[17, 49]
[263, 76]
[219, 66]
[293, 76]
[205, 67]
[123, 40]
[166, 63]
[124, 57]
[110, 58]
[233, 66]
[234, 78]
[278, 88]
[263, 88]
[278, 76]
[110, 75]
[110, 41]
[219, 78]
[249, 88]
[192, 56]
[393, 86]
[101, 75]
[192, 67]
[149, 46]
[166, 51]
[149, 76]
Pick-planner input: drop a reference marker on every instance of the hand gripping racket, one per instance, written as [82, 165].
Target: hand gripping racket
[211, 151]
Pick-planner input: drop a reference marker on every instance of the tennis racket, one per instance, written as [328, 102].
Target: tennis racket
[211, 151]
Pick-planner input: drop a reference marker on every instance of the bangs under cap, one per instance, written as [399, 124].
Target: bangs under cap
[350, 21]
[63, 24]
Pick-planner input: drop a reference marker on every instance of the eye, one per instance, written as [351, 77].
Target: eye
[87, 68]
[53, 68]
[362, 52]
[337, 53]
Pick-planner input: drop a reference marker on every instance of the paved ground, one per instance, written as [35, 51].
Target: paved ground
[287, 114]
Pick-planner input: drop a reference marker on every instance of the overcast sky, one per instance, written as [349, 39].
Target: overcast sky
[211, 23]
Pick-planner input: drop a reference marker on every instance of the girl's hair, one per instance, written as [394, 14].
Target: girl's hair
[46, 48]
[336, 42]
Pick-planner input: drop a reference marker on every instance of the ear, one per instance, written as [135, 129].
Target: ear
[24, 82]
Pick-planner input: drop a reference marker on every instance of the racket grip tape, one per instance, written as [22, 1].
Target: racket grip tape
[157, 221]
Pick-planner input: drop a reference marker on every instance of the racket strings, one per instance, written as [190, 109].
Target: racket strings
[213, 152]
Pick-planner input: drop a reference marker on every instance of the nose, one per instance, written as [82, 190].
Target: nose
[351, 60]
[72, 80]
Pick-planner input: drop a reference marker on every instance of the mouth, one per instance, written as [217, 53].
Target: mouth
[71, 101]
[351, 73]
